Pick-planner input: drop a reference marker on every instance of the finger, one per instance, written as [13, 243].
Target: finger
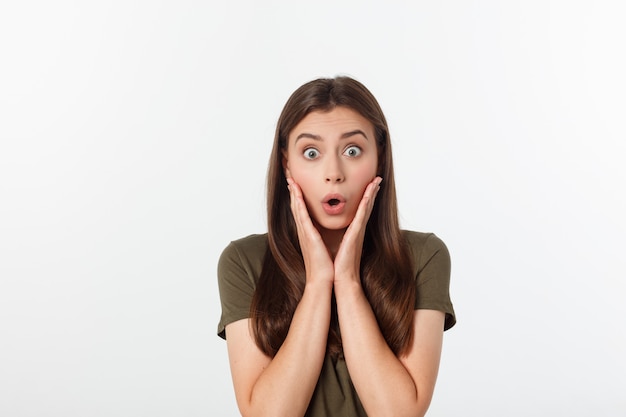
[372, 189]
[291, 196]
[367, 203]
[294, 204]
[373, 193]
[356, 230]
[296, 198]
[303, 212]
[304, 224]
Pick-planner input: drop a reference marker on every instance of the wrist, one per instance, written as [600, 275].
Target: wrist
[348, 286]
[347, 276]
[318, 286]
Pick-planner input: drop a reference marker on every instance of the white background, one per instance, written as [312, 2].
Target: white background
[134, 145]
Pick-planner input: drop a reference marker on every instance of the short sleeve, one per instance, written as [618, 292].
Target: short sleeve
[433, 279]
[236, 286]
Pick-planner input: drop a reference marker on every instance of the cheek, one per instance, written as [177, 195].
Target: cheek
[298, 175]
[303, 180]
[366, 173]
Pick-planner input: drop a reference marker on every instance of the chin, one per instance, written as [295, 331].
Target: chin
[334, 224]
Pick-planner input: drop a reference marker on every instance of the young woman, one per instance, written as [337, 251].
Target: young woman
[335, 311]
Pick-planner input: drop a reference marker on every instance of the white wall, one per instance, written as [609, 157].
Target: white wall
[134, 143]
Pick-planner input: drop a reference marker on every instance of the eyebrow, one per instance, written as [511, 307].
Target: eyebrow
[343, 136]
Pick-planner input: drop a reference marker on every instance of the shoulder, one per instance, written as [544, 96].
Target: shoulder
[250, 243]
[244, 254]
[424, 246]
[418, 238]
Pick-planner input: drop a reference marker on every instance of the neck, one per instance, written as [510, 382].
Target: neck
[332, 239]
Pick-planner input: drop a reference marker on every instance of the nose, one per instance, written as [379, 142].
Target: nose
[334, 171]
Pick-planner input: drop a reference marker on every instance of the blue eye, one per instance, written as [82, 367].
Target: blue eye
[311, 153]
[352, 151]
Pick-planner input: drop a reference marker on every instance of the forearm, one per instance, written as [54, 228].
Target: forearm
[285, 387]
[384, 385]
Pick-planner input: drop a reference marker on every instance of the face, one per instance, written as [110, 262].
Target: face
[332, 156]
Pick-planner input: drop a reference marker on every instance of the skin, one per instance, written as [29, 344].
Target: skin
[332, 152]
[321, 158]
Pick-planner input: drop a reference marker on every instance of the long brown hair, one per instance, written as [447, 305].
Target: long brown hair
[386, 270]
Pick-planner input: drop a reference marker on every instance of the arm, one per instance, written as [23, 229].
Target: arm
[281, 386]
[386, 384]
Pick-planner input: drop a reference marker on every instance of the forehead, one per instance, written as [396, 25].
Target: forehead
[333, 123]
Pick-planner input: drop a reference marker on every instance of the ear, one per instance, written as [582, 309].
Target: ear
[285, 162]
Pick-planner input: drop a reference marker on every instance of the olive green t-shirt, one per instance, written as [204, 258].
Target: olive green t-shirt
[239, 268]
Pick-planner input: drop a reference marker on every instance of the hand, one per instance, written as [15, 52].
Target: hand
[348, 260]
[317, 261]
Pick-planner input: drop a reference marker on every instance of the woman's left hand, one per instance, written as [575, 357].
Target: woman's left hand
[348, 259]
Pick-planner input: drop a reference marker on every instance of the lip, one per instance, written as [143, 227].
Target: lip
[334, 209]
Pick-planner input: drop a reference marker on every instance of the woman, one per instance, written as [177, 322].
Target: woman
[335, 311]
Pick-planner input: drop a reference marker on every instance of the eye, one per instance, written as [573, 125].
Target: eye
[352, 151]
[311, 153]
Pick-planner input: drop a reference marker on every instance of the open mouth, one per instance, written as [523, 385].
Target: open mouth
[334, 204]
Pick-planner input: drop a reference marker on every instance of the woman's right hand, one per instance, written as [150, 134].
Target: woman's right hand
[317, 261]
[273, 386]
